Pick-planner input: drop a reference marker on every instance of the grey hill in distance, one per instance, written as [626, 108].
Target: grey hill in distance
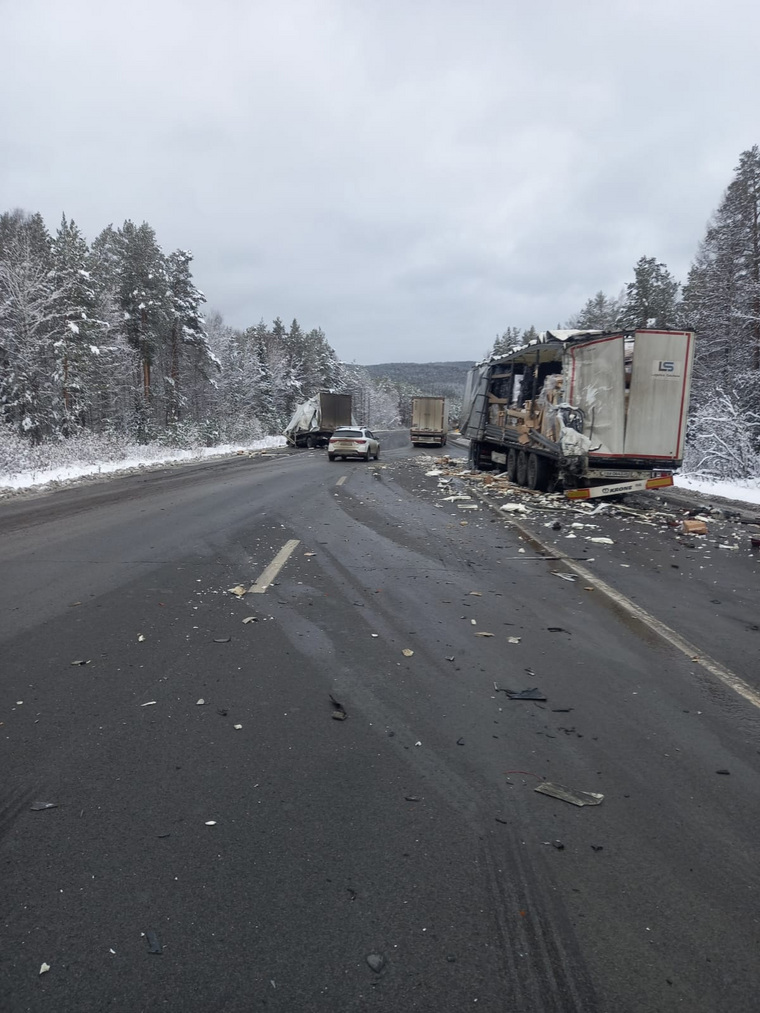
[430, 377]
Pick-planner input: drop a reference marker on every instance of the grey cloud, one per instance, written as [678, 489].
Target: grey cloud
[412, 177]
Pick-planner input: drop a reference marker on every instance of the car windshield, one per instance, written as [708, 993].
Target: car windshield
[347, 432]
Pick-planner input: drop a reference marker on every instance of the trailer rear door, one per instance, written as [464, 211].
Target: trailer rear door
[659, 394]
[597, 385]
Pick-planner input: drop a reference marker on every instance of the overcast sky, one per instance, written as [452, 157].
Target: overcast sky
[411, 175]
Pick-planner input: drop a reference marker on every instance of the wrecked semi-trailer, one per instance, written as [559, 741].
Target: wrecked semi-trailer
[314, 421]
[429, 422]
[598, 413]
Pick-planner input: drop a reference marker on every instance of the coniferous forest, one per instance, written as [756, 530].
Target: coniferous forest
[109, 339]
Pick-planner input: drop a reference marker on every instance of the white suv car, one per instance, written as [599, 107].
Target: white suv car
[353, 441]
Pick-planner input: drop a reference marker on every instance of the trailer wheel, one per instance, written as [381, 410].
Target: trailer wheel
[512, 464]
[311, 442]
[522, 468]
[538, 472]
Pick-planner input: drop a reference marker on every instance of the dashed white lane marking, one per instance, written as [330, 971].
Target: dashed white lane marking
[341, 480]
[725, 675]
[274, 567]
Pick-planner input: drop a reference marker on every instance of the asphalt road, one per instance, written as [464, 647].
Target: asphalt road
[271, 860]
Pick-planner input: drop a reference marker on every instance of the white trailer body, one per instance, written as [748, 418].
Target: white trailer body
[429, 421]
[583, 408]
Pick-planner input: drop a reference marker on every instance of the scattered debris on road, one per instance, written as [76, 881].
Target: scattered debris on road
[407, 652]
[250, 619]
[238, 590]
[154, 943]
[693, 527]
[376, 961]
[522, 694]
[41, 806]
[148, 703]
[222, 640]
[570, 795]
[339, 711]
[141, 638]
[79, 662]
[44, 968]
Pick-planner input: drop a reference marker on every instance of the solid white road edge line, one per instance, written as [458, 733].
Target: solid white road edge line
[725, 675]
[274, 567]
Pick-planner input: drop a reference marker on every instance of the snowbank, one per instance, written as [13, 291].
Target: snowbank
[743, 491]
[135, 457]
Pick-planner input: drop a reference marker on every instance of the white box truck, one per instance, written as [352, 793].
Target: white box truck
[429, 421]
[600, 413]
[315, 420]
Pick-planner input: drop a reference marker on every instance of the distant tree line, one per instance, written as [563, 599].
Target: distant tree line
[720, 301]
[110, 337]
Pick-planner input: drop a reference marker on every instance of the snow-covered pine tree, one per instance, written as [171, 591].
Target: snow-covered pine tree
[600, 313]
[187, 343]
[75, 327]
[27, 315]
[144, 302]
[651, 299]
[722, 303]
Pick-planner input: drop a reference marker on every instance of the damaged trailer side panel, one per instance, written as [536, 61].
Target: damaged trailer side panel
[582, 408]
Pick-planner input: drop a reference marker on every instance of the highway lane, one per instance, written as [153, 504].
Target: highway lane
[397, 832]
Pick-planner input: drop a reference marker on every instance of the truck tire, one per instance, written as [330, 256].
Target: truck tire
[522, 468]
[311, 442]
[473, 458]
[331, 457]
[538, 472]
[512, 464]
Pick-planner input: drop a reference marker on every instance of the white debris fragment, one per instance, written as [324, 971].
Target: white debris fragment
[210, 823]
[237, 727]
[141, 637]
[513, 640]
[150, 703]
[238, 590]
[514, 508]
[44, 968]
[601, 540]
[199, 703]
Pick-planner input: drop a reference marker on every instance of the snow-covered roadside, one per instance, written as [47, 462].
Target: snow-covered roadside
[142, 457]
[746, 491]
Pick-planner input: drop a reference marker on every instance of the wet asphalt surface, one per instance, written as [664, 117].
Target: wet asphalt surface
[410, 832]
